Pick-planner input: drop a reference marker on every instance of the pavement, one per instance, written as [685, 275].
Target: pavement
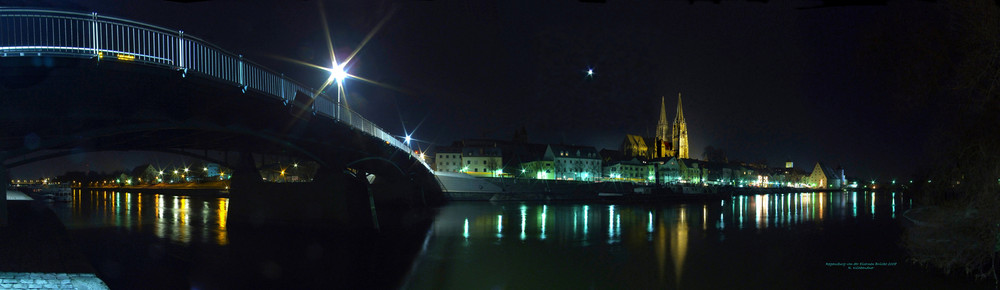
[14, 280]
[37, 253]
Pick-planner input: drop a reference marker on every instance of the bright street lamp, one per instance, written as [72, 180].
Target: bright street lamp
[338, 73]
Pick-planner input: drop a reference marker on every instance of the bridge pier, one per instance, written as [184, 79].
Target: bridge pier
[333, 200]
[245, 181]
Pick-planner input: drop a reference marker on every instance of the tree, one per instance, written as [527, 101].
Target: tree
[713, 154]
[958, 227]
[492, 165]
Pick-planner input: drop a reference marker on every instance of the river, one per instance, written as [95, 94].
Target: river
[801, 240]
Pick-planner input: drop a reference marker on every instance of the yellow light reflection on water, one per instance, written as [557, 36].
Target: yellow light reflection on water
[158, 224]
[822, 204]
[873, 205]
[138, 209]
[678, 244]
[159, 206]
[661, 248]
[182, 225]
[223, 236]
[704, 217]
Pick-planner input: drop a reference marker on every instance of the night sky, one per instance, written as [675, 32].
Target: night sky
[761, 81]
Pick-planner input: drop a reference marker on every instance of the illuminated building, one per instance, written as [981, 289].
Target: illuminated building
[789, 176]
[682, 170]
[679, 133]
[448, 159]
[533, 164]
[539, 169]
[211, 169]
[629, 170]
[635, 146]
[662, 127]
[717, 173]
[824, 177]
[574, 162]
[668, 141]
[481, 160]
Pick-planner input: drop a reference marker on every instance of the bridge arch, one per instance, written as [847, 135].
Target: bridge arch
[39, 71]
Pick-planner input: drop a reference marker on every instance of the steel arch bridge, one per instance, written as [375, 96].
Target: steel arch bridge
[37, 44]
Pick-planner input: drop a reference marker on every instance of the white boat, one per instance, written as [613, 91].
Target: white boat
[458, 182]
[58, 193]
[693, 189]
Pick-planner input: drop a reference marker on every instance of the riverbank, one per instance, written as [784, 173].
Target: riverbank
[36, 251]
[467, 188]
[201, 189]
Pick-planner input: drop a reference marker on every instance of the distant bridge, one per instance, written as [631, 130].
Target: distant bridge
[76, 82]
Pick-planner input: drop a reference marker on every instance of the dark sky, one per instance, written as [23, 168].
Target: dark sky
[761, 81]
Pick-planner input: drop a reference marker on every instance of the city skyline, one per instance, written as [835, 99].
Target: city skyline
[760, 81]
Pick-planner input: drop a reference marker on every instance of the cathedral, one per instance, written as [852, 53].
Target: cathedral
[669, 141]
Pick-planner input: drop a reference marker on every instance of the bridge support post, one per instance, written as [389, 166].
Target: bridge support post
[334, 200]
[4, 182]
[244, 184]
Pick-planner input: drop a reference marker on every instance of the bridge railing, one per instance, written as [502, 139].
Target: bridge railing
[34, 32]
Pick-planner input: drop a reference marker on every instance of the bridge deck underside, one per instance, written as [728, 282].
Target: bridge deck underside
[91, 105]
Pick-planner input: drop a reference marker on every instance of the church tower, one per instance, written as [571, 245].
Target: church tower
[663, 127]
[661, 142]
[679, 134]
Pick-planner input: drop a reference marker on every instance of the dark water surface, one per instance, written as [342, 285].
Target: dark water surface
[149, 241]
[780, 241]
[154, 241]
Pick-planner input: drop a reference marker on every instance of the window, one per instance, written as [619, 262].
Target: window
[467, 162]
[484, 161]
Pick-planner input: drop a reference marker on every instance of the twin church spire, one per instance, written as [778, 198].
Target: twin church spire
[678, 132]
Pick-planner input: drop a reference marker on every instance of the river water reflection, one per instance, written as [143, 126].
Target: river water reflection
[139, 240]
[773, 240]
[179, 219]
